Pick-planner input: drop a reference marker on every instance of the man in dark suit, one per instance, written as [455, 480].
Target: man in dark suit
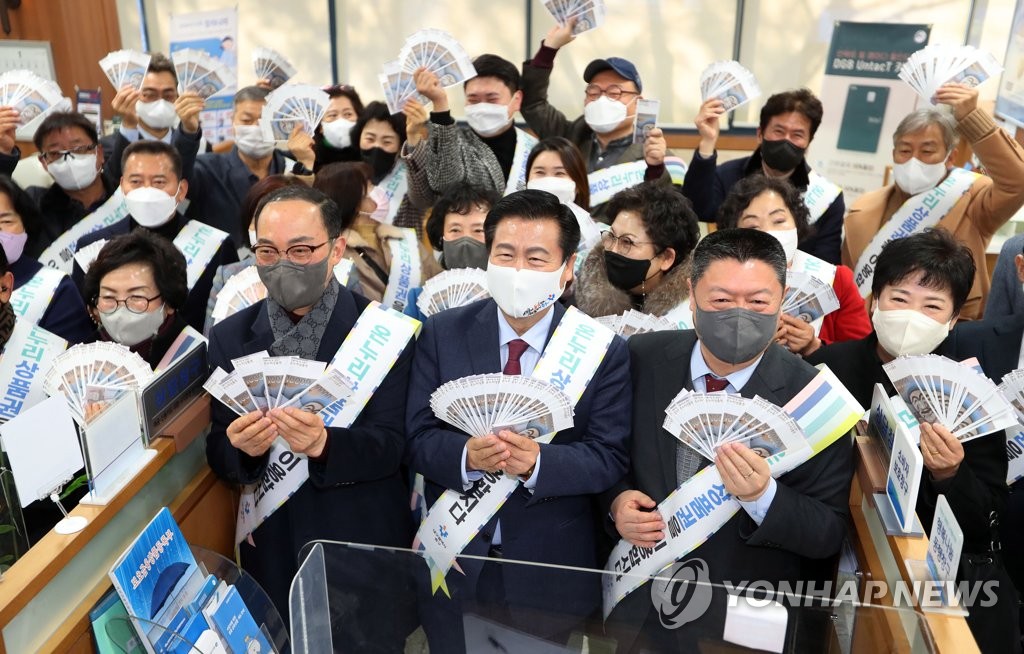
[550, 518]
[154, 189]
[355, 491]
[737, 284]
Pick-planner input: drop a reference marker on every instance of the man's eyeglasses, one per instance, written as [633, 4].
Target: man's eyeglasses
[134, 303]
[268, 255]
[613, 92]
[52, 156]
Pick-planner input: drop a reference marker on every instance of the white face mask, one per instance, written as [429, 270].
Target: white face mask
[338, 133]
[562, 188]
[524, 293]
[158, 114]
[249, 139]
[74, 172]
[129, 328]
[604, 114]
[788, 239]
[915, 177]
[487, 118]
[905, 332]
[151, 207]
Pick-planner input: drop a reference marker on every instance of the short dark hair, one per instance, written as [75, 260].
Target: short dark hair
[345, 183]
[59, 120]
[945, 264]
[799, 100]
[26, 209]
[377, 110]
[668, 217]
[329, 212]
[156, 148]
[345, 91]
[749, 188]
[141, 246]
[535, 205]
[460, 197]
[159, 63]
[740, 245]
[259, 190]
[250, 94]
[573, 161]
[490, 65]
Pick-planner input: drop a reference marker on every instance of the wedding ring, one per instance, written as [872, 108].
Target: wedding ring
[748, 475]
[934, 451]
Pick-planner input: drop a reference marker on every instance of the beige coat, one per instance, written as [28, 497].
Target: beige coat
[988, 204]
[371, 283]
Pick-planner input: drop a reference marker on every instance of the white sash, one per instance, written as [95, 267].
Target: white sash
[517, 173]
[681, 315]
[917, 214]
[824, 410]
[31, 299]
[406, 273]
[395, 186]
[1014, 455]
[60, 254]
[819, 196]
[607, 182]
[343, 271]
[199, 243]
[569, 361]
[366, 356]
[27, 357]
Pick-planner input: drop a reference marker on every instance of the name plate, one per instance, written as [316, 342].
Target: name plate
[171, 391]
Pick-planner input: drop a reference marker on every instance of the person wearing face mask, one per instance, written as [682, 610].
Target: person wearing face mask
[640, 262]
[604, 133]
[354, 487]
[382, 255]
[773, 205]
[920, 287]
[737, 283]
[42, 296]
[787, 126]
[156, 112]
[136, 290]
[153, 192]
[333, 140]
[551, 518]
[220, 180]
[929, 192]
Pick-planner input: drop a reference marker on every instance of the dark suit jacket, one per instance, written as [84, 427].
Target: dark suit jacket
[66, 315]
[807, 518]
[979, 486]
[707, 184]
[556, 523]
[194, 310]
[115, 144]
[356, 493]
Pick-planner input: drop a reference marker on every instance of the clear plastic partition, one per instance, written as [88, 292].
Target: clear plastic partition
[356, 598]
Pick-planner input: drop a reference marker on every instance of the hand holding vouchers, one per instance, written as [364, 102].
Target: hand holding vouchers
[483, 404]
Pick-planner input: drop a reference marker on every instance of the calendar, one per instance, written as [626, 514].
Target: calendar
[36, 56]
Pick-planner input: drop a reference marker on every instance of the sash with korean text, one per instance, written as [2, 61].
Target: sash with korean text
[61, 253]
[199, 243]
[365, 357]
[517, 173]
[825, 412]
[569, 362]
[406, 272]
[31, 299]
[395, 185]
[607, 182]
[917, 214]
[819, 196]
[27, 357]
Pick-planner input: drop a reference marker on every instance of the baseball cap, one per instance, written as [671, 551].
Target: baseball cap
[623, 67]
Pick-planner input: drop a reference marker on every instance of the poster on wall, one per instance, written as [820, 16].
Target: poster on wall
[1010, 99]
[216, 33]
[865, 102]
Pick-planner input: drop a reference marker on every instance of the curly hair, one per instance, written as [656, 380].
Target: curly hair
[668, 217]
[144, 247]
[747, 189]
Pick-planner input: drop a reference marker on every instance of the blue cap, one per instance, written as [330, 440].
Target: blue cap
[623, 67]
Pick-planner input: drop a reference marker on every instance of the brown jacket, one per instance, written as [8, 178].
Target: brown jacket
[359, 250]
[990, 202]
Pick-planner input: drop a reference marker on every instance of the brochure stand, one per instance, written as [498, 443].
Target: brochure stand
[936, 575]
[114, 446]
[70, 524]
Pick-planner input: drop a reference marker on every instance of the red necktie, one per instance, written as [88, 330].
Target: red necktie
[515, 351]
[713, 384]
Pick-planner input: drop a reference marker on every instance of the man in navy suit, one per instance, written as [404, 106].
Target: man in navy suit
[550, 518]
[356, 490]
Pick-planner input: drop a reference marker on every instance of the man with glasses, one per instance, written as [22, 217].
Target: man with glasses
[604, 133]
[154, 189]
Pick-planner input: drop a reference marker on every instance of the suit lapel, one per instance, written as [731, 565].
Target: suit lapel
[670, 376]
[482, 340]
[343, 318]
[768, 388]
[260, 335]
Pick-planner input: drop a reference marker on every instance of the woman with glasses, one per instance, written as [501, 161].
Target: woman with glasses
[135, 290]
[639, 263]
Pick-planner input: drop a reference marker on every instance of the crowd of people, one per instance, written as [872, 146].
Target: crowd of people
[373, 205]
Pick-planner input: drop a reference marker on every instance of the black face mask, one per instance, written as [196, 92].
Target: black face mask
[380, 161]
[625, 273]
[781, 155]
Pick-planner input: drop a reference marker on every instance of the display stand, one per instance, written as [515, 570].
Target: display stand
[114, 446]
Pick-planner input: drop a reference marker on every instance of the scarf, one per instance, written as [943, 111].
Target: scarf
[302, 339]
[6, 322]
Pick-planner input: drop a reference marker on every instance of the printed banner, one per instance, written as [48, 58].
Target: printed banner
[26, 358]
[405, 273]
[395, 186]
[31, 300]
[819, 196]
[517, 174]
[607, 182]
[199, 243]
[214, 32]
